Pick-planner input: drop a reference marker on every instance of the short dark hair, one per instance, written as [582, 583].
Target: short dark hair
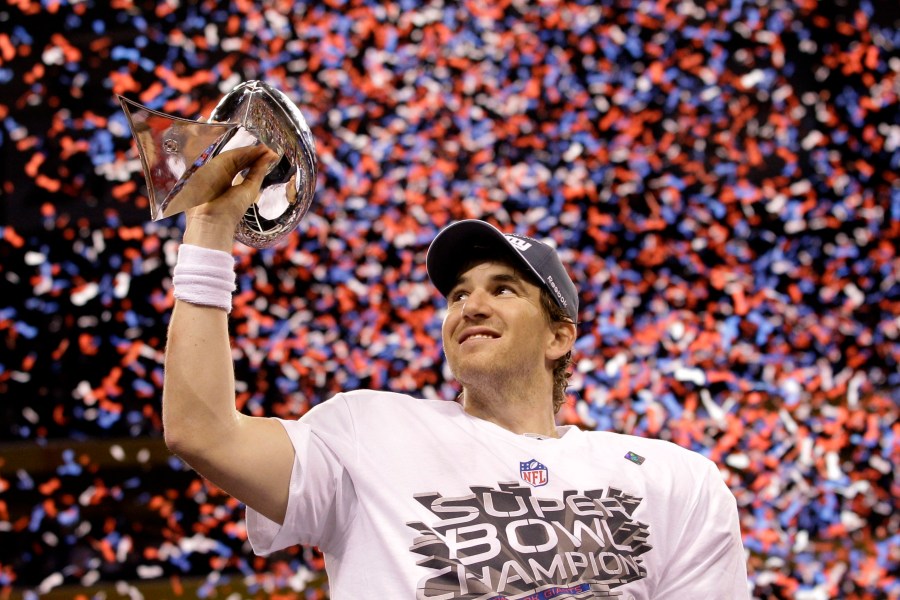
[556, 314]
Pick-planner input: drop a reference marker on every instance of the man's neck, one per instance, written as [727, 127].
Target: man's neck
[520, 413]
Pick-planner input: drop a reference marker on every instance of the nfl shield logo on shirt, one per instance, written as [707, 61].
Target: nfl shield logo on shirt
[534, 473]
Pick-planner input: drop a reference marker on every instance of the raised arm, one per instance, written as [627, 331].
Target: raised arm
[248, 457]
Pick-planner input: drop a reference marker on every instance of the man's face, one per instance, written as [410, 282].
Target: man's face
[495, 326]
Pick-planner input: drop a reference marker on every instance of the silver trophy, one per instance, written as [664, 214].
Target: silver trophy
[172, 148]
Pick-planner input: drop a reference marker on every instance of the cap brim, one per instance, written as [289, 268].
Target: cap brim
[462, 242]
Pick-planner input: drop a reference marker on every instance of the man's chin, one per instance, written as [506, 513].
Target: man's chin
[474, 370]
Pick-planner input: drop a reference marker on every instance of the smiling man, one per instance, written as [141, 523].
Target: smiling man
[407, 497]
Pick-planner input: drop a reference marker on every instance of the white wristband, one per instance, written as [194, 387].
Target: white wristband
[204, 276]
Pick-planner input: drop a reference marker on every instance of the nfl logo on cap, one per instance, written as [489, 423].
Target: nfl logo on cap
[534, 473]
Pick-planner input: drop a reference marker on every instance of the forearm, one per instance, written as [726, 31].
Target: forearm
[198, 392]
[250, 458]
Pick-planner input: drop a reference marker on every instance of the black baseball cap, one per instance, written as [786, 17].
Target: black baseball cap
[461, 242]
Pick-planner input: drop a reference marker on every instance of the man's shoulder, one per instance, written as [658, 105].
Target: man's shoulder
[366, 395]
[365, 400]
[368, 412]
[662, 451]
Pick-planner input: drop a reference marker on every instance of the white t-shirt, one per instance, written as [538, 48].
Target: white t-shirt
[412, 498]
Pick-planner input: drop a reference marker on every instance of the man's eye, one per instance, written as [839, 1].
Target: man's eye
[458, 296]
[504, 290]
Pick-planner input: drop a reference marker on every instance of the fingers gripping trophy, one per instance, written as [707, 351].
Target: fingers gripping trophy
[181, 158]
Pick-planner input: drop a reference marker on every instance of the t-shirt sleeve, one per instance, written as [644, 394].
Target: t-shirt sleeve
[709, 561]
[321, 499]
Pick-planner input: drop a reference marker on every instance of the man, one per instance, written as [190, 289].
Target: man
[480, 498]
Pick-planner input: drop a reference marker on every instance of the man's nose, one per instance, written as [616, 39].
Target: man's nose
[477, 304]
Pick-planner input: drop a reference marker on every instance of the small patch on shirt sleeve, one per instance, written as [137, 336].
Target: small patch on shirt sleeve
[635, 458]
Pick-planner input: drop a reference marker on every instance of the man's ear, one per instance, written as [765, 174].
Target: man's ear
[563, 339]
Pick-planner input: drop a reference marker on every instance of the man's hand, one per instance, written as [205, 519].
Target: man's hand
[221, 203]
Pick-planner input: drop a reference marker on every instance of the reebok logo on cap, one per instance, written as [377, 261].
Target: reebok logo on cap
[559, 295]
